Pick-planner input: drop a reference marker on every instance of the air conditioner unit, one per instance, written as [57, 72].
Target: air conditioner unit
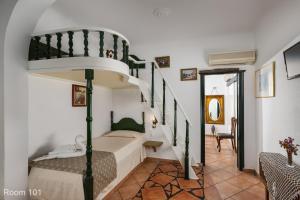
[227, 58]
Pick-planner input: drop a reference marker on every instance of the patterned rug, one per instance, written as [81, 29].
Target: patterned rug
[167, 182]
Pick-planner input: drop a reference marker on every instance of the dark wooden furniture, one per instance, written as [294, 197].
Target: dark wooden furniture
[127, 124]
[152, 144]
[231, 136]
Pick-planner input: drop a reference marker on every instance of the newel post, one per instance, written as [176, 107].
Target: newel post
[88, 177]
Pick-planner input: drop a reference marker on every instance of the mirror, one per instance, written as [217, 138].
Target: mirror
[214, 109]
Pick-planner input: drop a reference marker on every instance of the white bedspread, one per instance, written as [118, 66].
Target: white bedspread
[128, 149]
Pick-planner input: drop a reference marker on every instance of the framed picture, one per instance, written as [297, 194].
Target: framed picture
[78, 96]
[188, 74]
[163, 61]
[265, 81]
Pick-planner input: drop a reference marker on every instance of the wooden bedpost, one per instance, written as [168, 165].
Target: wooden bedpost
[88, 177]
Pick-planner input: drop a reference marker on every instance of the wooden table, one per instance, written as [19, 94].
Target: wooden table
[152, 144]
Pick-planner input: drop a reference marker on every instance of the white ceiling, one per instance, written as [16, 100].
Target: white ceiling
[187, 18]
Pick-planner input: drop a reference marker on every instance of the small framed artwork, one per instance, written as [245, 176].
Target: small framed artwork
[78, 96]
[188, 74]
[163, 61]
[265, 81]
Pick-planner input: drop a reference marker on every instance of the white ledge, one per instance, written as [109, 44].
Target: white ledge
[77, 63]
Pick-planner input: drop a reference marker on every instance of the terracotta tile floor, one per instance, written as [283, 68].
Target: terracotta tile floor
[222, 179]
[159, 180]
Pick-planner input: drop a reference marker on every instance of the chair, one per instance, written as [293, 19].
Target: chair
[231, 136]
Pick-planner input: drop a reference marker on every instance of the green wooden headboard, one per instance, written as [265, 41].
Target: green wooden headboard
[127, 124]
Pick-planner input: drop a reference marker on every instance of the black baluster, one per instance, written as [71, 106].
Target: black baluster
[164, 103]
[142, 98]
[58, 35]
[124, 51]
[152, 87]
[86, 42]
[127, 54]
[88, 177]
[131, 66]
[137, 70]
[101, 44]
[70, 34]
[37, 47]
[175, 123]
[115, 46]
[186, 158]
[48, 41]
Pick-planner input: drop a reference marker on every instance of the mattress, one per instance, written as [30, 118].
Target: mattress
[127, 146]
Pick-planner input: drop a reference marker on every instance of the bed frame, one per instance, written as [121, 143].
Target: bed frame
[123, 124]
[127, 124]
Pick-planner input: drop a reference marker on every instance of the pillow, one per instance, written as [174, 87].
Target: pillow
[123, 133]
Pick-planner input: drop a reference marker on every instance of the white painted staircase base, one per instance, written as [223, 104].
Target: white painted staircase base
[178, 150]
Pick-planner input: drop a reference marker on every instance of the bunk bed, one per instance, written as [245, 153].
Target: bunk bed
[114, 156]
[87, 63]
[94, 174]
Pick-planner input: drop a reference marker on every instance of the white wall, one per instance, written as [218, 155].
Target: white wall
[5, 10]
[193, 53]
[279, 117]
[277, 28]
[52, 119]
[127, 103]
[20, 26]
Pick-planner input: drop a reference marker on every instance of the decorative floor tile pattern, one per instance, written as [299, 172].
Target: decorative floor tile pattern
[167, 182]
[164, 180]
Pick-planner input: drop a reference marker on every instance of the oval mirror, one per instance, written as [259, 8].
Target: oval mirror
[214, 109]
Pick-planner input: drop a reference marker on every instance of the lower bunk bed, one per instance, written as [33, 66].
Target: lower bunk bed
[115, 155]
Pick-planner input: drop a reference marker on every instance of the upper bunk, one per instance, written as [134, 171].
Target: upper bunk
[66, 53]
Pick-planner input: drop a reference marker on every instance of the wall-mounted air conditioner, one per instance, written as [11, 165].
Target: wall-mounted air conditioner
[237, 57]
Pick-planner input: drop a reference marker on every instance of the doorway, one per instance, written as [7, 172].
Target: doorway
[218, 115]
